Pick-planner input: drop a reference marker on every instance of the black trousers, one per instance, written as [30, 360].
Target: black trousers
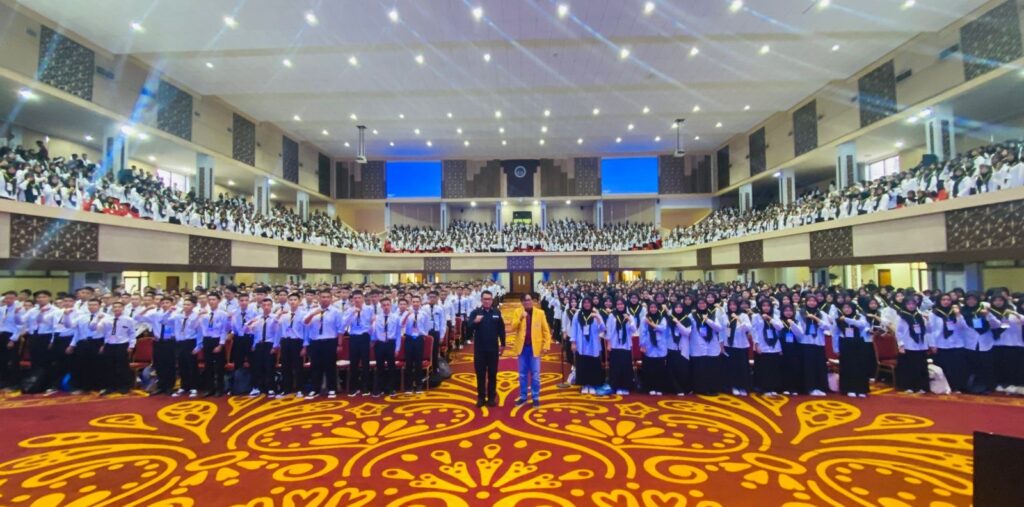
[291, 365]
[485, 362]
[1008, 361]
[912, 370]
[653, 369]
[413, 360]
[88, 372]
[384, 353]
[163, 363]
[241, 349]
[261, 366]
[589, 372]
[39, 352]
[854, 369]
[214, 365]
[620, 370]
[188, 364]
[8, 356]
[981, 370]
[359, 354]
[768, 377]
[952, 363]
[707, 374]
[678, 376]
[792, 368]
[119, 373]
[736, 368]
[814, 367]
[60, 360]
[323, 364]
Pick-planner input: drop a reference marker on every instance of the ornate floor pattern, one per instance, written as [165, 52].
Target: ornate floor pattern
[438, 449]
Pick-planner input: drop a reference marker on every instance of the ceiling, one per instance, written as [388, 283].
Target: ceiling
[538, 61]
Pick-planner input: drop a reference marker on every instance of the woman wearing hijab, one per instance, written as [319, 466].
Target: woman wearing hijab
[978, 345]
[586, 332]
[854, 369]
[815, 324]
[736, 363]
[948, 328]
[654, 337]
[678, 357]
[619, 330]
[767, 331]
[705, 347]
[1008, 344]
[914, 341]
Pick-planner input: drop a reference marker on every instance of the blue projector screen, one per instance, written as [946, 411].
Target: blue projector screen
[420, 178]
[633, 175]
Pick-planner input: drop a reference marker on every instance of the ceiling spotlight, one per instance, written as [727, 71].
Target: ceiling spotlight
[777, 175]
[736, 5]
[325, 132]
[646, 110]
[657, 139]
[541, 142]
[374, 131]
[696, 138]
[497, 114]
[127, 130]
[458, 131]
[152, 158]
[393, 15]
[912, 119]
[504, 142]
[287, 63]
[674, 126]
[416, 131]
[143, 136]
[88, 137]
[764, 49]
[746, 107]
[568, 202]
[231, 183]
[835, 47]
[273, 195]
[504, 203]
[478, 13]
[137, 27]
[465, 143]
[899, 144]
[353, 117]
[718, 125]
[449, 115]
[544, 129]
[547, 113]
[648, 8]
[420, 59]
[347, 145]
[925, 113]
[472, 203]
[501, 130]
[311, 19]
[624, 53]
[618, 139]
[391, 143]
[696, 108]
[230, 22]
[597, 111]
[563, 10]
[401, 116]
[297, 118]
[694, 51]
[353, 61]
[487, 57]
[823, 4]
[579, 141]
[209, 65]
[908, 4]
[629, 127]
[26, 94]
[430, 143]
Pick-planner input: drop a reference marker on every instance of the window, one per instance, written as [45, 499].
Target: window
[883, 167]
[178, 182]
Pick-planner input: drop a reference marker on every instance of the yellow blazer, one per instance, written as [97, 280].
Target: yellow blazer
[540, 335]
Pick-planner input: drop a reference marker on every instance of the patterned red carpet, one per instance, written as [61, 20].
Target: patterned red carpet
[438, 449]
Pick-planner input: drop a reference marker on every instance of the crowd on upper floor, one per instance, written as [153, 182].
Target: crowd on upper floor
[563, 235]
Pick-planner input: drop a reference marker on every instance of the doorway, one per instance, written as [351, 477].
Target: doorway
[173, 282]
[522, 282]
[884, 277]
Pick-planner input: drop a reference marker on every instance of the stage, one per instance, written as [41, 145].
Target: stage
[438, 449]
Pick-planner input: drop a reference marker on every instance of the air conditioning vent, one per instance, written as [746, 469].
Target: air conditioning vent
[904, 75]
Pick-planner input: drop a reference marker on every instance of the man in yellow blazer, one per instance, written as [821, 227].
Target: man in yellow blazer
[531, 338]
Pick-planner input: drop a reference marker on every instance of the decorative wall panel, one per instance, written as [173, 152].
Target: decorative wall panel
[991, 40]
[520, 263]
[453, 179]
[752, 252]
[65, 64]
[289, 159]
[174, 110]
[554, 179]
[209, 252]
[986, 227]
[723, 167]
[243, 140]
[289, 258]
[323, 174]
[805, 128]
[604, 262]
[486, 183]
[832, 243]
[587, 180]
[758, 152]
[342, 182]
[339, 263]
[876, 92]
[373, 180]
[437, 264]
[704, 258]
[671, 175]
[701, 176]
[51, 239]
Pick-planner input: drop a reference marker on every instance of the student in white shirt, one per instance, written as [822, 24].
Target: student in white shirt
[118, 344]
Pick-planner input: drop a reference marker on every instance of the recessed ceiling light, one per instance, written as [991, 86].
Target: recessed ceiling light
[504, 203]
[776, 174]
[736, 5]
[912, 119]
[568, 202]
[478, 13]
[823, 4]
[648, 7]
[353, 117]
[504, 142]
[430, 143]
[287, 63]
[152, 158]
[88, 137]
[646, 110]
[353, 61]
[458, 131]
[618, 139]
[230, 22]
[271, 182]
[694, 51]
[629, 127]
[696, 138]
[746, 107]
[657, 139]
[542, 142]
[563, 10]
[420, 59]
[899, 144]
[209, 65]
[401, 116]
[579, 141]
[501, 130]
[465, 143]
[764, 49]
[449, 115]
[393, 15]
[674, 126]
[696, 108]
[273, 195]
[297, 118]
[374, 131]
[311, 19]
[26, 94]
[416, 131]
[137, 27]
[391, 143]
[325, 132]
[536, 202]
[624, 53]
[547, 113]
[231, 183]
[472, 203]
[835, 47]
[596, 111]
[718, 125]
[544, 129]
[487, 57]
[347, 145]
[908, 4]
[925, 113]
[497, 114]
[143, 136]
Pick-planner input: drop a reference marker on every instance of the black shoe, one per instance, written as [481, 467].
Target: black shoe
[209, 394]
[492, 403]
[480, 403]
[536, 403]
[520, 401]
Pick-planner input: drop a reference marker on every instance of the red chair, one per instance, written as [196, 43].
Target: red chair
[143, 355]
[830, 354]
[26, 355]
[428, 359]
[638, 357]
[887, 354]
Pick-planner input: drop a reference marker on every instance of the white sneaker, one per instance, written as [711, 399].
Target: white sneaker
[680, 394]
[652, 393]
[735, 392]
[771, 393]
[311, 395]
[743, 392]
[817, 392]
[177, 393]
[254, 392]
[270, 394]
[920, 391]
[408, 391]
[469, 342]
[657, 393]
[862, 395]
[909, 391]
[331, 395]
[192, 393]
[353, 393]
[852, 395]
[787, 393]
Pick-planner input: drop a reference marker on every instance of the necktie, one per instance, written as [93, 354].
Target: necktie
[263, 337]
[386, 327]
[113, 330]
[321, 323]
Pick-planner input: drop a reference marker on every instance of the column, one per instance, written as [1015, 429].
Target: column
[261, 195]
[302, 205]
[543, 216]
[387, 216]
[443, 217]
[203, 181]
[497, 215]
[116, 141]
[599, 215]
[787, 186]
[746, 197]
[846, 165]
[657, 213]
[939, 131]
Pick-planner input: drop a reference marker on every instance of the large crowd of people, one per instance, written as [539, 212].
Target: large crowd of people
[563, 235]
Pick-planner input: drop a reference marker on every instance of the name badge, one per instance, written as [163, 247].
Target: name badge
[976, 323]
[703, 331]
[950, 326]
[917, 329]
[586, 330]
[849, 332]
[789, 336]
